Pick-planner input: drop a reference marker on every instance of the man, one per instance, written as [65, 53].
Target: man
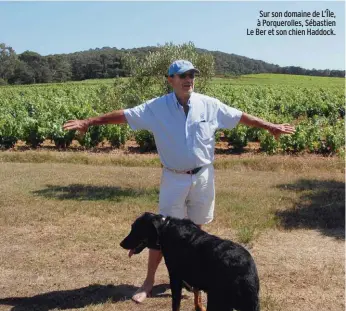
[183, 124]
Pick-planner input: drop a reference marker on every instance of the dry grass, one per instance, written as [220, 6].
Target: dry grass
[301, 270]
[126, 157]
[61, 225]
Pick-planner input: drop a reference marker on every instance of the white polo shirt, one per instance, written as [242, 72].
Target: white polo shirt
[183, 143]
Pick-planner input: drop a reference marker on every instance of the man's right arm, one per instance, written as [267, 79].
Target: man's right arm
[114, 117]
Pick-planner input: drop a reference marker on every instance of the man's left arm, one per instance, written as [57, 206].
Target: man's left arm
[274, 129]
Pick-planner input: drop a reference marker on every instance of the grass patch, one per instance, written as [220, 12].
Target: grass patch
[87, 158]
[236, 163]
[245, 235]
[281, 79]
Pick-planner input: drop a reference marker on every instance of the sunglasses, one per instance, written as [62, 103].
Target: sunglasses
[184, 75]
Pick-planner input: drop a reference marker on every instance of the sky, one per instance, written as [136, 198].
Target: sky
[67, 27]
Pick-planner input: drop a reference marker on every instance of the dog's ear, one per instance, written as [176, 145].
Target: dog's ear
[155, 219]
[148, 215]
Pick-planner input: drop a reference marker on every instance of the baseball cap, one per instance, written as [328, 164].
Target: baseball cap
[180, 66]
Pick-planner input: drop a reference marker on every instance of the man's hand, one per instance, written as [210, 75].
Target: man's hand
[79, 125]
[278, 129]
[114, 117]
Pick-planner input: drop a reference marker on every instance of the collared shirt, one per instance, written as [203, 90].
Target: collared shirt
[183, 142]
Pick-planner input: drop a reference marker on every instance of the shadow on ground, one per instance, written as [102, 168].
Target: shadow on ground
[82, 192]
[321, 206]
[78, 298]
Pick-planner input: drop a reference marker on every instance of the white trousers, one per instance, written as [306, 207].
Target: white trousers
[188, 196]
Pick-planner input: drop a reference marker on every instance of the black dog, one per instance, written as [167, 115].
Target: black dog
[223, 269]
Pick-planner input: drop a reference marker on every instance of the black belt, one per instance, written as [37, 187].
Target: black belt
[194, 171]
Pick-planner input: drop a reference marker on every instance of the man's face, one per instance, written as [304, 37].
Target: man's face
[183, 84]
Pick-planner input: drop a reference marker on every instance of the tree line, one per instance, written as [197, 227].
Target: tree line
[30, 67]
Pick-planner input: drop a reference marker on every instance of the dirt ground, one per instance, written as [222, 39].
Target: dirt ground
[300, 270]
[61, 224]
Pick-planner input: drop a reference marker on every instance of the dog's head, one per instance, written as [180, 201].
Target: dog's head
[144, 233]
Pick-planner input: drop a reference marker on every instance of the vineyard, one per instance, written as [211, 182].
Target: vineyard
[316, 106]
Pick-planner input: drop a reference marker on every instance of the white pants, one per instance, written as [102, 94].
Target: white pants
[188, 196]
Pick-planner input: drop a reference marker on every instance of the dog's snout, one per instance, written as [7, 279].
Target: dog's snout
[123, 244]
[127, 243]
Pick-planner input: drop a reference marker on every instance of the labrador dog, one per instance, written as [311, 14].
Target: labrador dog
[223, 269]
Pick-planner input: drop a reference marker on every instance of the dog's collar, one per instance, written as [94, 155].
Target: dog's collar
[165, 221]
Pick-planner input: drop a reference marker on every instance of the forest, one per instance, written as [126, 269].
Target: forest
[30, 67]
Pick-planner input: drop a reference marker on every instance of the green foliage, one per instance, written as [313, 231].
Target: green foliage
[8, 61]
[102, 63]
[245, 234]
[7, 141]
[34, 124]
[34, 113]
[9, 129]
[296, 142]
[93, 136]
[218, 134]
[145, 140]
[311, 135]
[333, 138]
[61, 138]
[148, 78]
[268, 144]
[253, 133]
[117, 135]
[2, 82]
[237, 137]
[34, 133]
